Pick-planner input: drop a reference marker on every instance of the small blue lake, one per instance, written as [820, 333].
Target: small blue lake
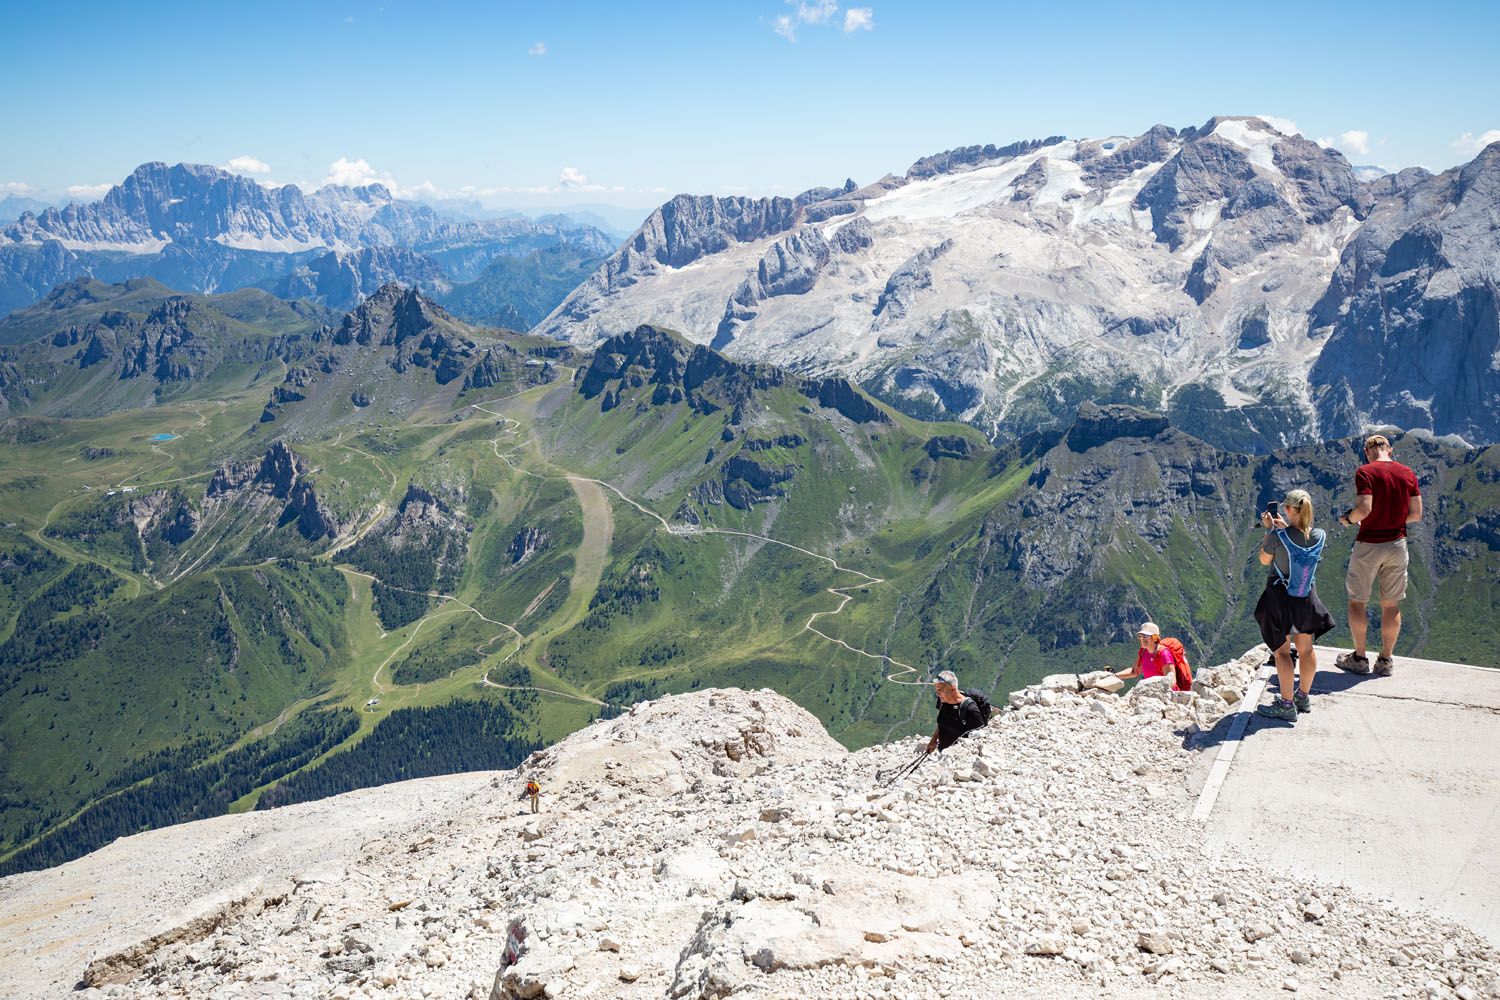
[164, 437]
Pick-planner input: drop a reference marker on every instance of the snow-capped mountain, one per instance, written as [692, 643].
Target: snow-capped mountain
[158, 204]
[1192, 270]
[202, 229]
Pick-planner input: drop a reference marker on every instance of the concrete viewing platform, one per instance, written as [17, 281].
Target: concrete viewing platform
[1390, 785]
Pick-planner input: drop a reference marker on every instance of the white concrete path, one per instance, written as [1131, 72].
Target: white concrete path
[1390, 784]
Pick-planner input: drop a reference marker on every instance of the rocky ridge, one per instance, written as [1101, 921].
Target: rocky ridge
[719, 843]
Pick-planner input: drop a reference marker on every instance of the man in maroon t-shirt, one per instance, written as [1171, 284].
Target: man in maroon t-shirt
[1388, 500]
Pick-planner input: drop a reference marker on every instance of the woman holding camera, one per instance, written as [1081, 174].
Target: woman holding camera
[1289, 609]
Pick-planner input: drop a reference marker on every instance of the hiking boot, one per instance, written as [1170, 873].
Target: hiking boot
[1285, 711]
[1351, 663]
[1384, 665]
[1302, 702]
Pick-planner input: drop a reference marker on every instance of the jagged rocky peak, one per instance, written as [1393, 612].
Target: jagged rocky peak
[689, 226]
[1242, 168]
[837, 393]
[390, 317]
[418, 500]
[677, 368]
[275, 472]
[1097, 425]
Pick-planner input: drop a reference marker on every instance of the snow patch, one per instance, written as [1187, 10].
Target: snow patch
[1259, 144]
[142, 247]
[948, 195]
[1063, 178]
[274, 244]
[1117, 201]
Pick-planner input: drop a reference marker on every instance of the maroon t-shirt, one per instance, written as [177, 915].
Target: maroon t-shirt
[1390, 486]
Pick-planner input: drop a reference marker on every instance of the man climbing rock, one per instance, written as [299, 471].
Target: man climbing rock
[532, 791]
[957, 713]
[1388, 499]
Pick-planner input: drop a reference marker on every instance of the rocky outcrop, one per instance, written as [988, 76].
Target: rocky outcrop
[780, 441]
[275, 473]
[748, 482]
[526, 543]
[1098, 425]
[790, 266]
[164, 514]
[303, 508]
[908, 281]
[276, 483]
[839, 394]
[948, 446]
[676, 370]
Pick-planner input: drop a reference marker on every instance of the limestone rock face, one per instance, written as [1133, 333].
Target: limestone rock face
[719, 844]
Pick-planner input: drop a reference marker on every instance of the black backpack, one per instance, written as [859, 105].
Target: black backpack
[979, 699]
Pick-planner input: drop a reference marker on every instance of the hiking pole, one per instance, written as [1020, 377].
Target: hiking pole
[882, 776]
[909, 768]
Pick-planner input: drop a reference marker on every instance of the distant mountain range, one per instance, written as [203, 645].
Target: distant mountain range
[1251, 284]
[198, 228]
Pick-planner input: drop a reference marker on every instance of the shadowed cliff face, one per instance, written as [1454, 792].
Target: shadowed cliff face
[1413, 311]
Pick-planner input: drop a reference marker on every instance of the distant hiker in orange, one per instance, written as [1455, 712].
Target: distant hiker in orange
[1158, 657]
[1289, 609]
[533, 791]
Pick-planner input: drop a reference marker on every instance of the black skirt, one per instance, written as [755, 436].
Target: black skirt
[1279, 614]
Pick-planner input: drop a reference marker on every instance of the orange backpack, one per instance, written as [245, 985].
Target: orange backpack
[1184, 679]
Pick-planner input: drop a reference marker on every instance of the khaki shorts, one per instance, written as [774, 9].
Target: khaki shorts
[1377, 562]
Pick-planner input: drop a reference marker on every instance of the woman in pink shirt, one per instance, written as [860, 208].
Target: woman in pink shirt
[1154, 659]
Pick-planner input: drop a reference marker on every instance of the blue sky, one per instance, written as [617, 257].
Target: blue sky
[568, 102]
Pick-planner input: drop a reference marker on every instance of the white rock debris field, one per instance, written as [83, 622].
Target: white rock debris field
[721, 844]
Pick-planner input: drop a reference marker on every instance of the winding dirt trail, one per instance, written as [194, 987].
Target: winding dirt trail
[900, 675]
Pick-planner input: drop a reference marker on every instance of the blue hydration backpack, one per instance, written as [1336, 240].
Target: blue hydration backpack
[1302, 562]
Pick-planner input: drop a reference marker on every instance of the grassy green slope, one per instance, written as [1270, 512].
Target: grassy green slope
[618, 545]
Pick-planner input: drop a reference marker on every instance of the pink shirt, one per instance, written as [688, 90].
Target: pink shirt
[1158, 664]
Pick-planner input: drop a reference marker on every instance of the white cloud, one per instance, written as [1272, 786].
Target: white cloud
[1326, 141]
[859, 19]
[539, 49]
[354, 173]
[1470, 144]
[816, 12]
[16, 187]
[88, 192]
[1283, 125]
[1355, 141]
[345, 172]
[247, 165]
[572, 178]
[820, 12]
